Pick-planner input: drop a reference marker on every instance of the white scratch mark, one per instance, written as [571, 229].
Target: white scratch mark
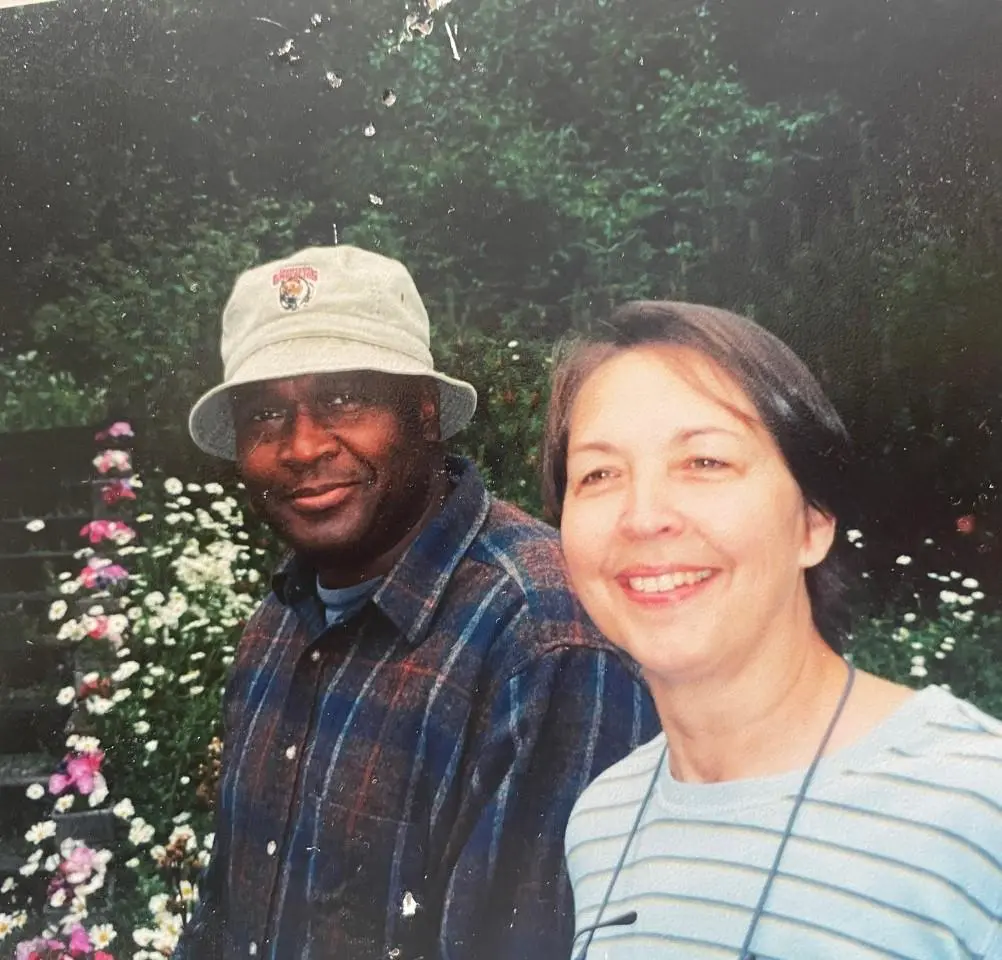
[452, 40]
[409, 907]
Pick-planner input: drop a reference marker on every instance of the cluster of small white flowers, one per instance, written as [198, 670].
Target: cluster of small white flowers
[200, 568]
[195, 586]
[11, 922]
[140, 832]
[160, 940]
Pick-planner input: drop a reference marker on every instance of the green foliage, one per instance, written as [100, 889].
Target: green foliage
[142, 321]
[38, 395]
[512, 380]
[946, 641]
[584, 152]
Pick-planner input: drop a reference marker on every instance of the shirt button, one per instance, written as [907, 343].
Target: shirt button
[315, 656]
[272, 847]
[291, 753]
[252, 949]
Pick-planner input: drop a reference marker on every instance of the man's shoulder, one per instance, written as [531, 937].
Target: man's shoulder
[526, 552]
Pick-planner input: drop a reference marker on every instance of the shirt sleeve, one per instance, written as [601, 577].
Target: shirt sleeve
[553, 727]
[203, 935]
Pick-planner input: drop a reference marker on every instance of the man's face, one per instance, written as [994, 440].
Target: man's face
[339, 464]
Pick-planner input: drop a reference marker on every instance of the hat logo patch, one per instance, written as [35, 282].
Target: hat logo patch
[295, 286]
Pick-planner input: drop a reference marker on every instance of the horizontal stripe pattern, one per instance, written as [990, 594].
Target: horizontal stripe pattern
[399, 786]
[896, 852]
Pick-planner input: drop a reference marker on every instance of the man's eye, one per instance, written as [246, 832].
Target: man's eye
[265, 415]
[338, 401]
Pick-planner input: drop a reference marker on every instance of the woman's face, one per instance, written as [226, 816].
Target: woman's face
[685, 534]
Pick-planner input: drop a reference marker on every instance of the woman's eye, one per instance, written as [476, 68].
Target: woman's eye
[594, 476]
[706, 463]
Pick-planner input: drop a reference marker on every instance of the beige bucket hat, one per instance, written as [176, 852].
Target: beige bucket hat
[323, 310]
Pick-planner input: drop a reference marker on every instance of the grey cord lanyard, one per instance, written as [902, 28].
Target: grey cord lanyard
[743, 954]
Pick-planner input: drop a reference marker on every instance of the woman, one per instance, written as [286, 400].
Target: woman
[793, 807]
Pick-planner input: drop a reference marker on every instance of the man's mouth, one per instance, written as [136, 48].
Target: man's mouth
[318, 498]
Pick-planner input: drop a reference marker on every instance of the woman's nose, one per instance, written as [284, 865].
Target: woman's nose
[651, 507]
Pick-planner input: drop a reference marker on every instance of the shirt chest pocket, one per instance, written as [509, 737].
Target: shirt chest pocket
[370, 889]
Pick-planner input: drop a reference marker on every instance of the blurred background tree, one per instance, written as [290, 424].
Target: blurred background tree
[827, 168]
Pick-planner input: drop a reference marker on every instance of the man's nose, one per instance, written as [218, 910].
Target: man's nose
[310, 440]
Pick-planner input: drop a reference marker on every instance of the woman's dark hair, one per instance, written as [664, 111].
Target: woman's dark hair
[789, 401]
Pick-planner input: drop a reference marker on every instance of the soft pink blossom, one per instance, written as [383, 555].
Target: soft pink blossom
[99, 628]
[79, 941]
[36, 949]
[101, 573]
[78, 866]
[82, 770]
[115, 530]
[108, 460]
[120, 428]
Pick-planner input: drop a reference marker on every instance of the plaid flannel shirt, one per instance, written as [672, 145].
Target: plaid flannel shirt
[398, 786]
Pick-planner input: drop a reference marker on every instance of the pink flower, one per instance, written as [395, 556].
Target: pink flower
[36, 949]
[115, 530]
[79, 941]
[108, 460]
[82, 770]
[966, 524]
[115, 490]
[118, 429]
[101, 573]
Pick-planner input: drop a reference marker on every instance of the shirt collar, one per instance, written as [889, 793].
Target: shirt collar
[411, 592]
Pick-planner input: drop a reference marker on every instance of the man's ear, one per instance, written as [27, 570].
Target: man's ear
[428, 400]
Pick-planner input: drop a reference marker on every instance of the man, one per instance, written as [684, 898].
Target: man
[418, 703]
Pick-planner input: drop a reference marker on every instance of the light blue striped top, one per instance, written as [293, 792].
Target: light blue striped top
[896, 851]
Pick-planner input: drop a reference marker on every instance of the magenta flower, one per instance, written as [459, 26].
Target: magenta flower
[114, 530]
[118, 429]
[115, 490]
[80, 770]
[79, 941]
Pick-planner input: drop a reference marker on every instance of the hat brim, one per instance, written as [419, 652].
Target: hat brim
[211, 420]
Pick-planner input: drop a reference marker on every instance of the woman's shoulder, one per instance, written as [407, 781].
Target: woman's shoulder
[937, 741]
[625, 782]
[947, 720]
[957, 726]
[610, 802]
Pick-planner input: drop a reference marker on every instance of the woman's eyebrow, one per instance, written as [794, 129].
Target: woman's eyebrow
[694, 432]
[591, 446]
[684, 436]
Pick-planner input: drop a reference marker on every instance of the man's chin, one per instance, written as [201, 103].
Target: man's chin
[316, 536]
